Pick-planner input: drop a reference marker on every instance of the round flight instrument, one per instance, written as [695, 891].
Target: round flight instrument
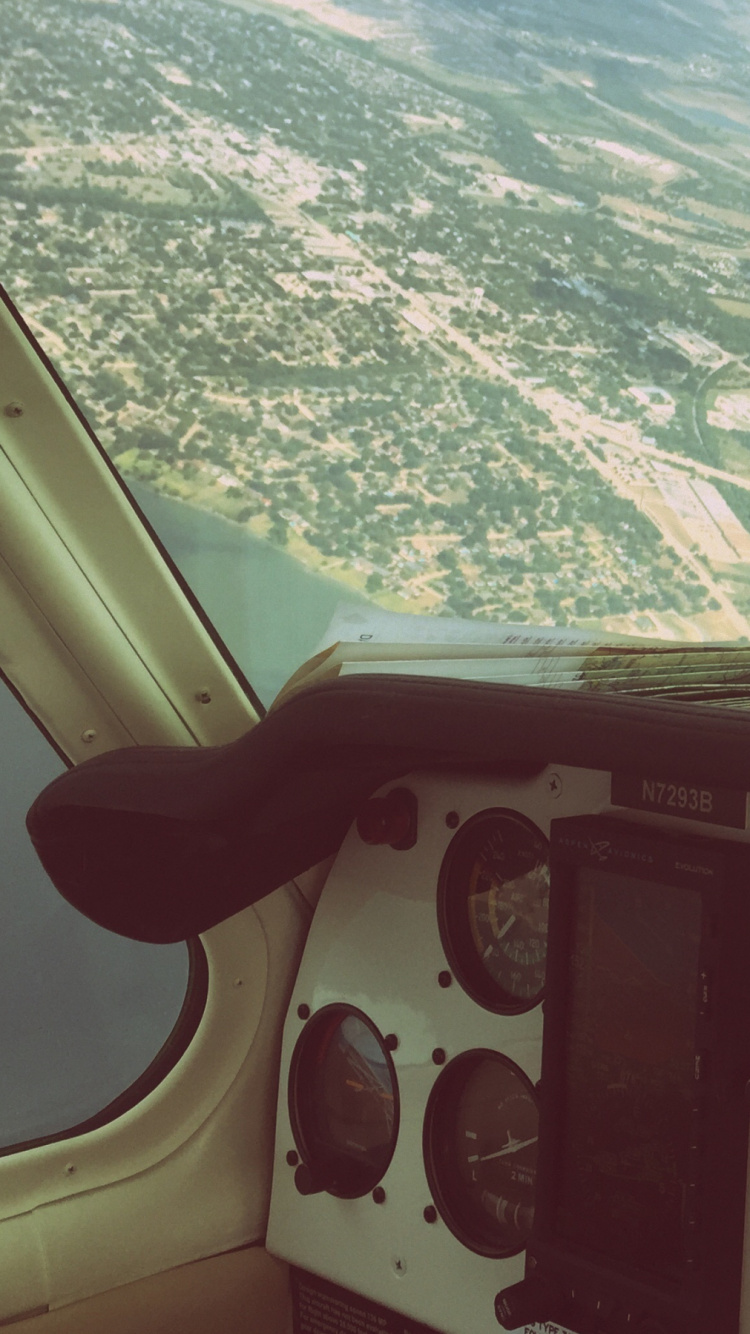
[493, 894]
[343, 1103]
[480, 1151]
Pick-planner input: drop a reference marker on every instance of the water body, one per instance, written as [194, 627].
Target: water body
[716, 119]
[269, 608]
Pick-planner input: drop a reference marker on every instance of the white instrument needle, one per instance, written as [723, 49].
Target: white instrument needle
[512, 1147]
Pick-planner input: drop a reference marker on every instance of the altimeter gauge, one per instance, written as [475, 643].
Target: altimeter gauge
[493, 894]
[480, 1150]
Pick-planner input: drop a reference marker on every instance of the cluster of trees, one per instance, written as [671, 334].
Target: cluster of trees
[258, 73]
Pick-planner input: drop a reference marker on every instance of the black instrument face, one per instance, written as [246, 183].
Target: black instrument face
[480, 1148]
[343, 1101]
[493, 897]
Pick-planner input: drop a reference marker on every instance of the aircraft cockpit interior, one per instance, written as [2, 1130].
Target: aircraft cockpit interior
[513, 1079]
[374, 667]
[465, 1041]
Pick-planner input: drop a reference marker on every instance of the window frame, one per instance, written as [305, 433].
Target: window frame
[76, 555]
[25, 372]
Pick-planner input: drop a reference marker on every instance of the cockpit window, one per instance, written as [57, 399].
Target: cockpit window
[83, 1013]
[440, 305]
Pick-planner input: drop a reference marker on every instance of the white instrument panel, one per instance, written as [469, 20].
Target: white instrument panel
[375, 945]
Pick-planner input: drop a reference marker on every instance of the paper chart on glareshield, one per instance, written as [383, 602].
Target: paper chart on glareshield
[363, 641]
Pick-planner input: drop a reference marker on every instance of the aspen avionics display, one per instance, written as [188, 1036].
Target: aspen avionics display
[643, 1131]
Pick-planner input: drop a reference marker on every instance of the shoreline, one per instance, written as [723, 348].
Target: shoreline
[335, 570]
[270, 609]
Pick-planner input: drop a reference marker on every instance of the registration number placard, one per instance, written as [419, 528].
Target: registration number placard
[671, 796]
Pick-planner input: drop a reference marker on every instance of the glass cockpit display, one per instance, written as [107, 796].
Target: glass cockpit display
[343, 1102]
[630, 1068]
[480, 1148]
[493, 904]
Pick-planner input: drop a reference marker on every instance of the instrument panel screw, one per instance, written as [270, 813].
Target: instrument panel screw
[237, 982]
[438, 1056]
[445, 979]
[430, 1214]
[398, 1265]
[378, 1195]
[303, 1011]
[452, 819]
[89, 735]
[554, 785]
[203, 695]
[69, 1169]
[13, 409]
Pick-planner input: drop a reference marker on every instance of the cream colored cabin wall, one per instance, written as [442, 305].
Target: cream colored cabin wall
[104, 646]
[185, 1174]
[245, 1292]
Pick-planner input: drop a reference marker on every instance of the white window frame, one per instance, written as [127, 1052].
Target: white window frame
[99, 635]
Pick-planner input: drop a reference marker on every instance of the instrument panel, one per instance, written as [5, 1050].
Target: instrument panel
[407, 1121]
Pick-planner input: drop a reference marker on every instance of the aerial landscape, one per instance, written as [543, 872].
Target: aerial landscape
[449, 300]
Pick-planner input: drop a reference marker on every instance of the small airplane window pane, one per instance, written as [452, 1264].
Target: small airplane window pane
[82, 1012]
[438, 303]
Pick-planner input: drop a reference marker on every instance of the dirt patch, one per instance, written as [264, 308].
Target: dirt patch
[740, 308]
[730, 412]
[332, 16]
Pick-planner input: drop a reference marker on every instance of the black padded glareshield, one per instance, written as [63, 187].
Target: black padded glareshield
[161, 843]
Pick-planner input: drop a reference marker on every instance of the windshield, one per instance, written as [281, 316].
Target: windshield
[438, 305]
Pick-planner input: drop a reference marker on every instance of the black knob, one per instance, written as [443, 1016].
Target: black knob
[306, 1182]
[526, 1303]
[391, 819]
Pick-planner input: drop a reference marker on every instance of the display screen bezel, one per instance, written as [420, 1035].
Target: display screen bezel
[630, 1103]
[645, 855]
